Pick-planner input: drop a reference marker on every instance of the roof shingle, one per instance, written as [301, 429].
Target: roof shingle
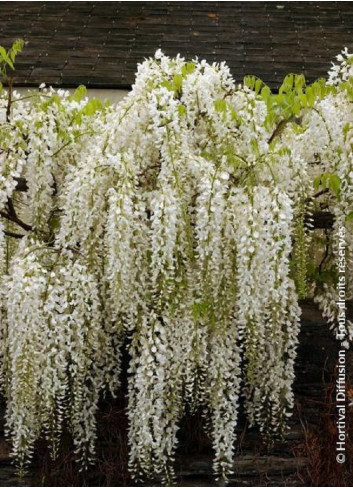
[99, 44]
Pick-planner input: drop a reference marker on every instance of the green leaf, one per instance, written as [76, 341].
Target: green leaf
[16, 48]
[56, 99]
[178, 81]
[18, 45]
[5, 57]
[346, 129]
[181, 110]
[207, 155]
[78, 118]
[200, 309]
[79, 93]
[220, 105]
[335, 184]
[349, 216]
[287, 84]
[330, 181]
[249, 81]
[168, 85]
[92, 106]
[296, 107]
[303, 100]
[317, 182]
[258, 86]
[265, 93]
[299, 82]
[254, 146]
[310, 96]
[2, 53]
[233, 113]
[188, 68]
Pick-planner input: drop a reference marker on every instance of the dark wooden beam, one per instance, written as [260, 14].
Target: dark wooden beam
[323, 220]
[21, 184]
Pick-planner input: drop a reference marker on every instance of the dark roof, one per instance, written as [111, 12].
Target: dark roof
[100, 43]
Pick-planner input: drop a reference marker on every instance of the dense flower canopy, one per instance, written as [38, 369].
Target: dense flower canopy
[178, 222]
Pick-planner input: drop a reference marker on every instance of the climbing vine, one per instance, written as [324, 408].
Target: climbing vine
[181, 222]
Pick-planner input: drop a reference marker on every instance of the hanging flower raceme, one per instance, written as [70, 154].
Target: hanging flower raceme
[179, 223]
[54, 342]
[267, 307]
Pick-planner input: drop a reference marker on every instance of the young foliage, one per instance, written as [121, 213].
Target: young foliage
[178, 221]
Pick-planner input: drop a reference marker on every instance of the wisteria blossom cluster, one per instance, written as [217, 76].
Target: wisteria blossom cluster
[178, 222]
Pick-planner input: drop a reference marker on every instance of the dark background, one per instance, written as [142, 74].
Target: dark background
[99, 44]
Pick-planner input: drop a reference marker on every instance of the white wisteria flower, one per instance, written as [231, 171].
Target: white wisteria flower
[177, 223]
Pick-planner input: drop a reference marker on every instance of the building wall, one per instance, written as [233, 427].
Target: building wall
[113, 95]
